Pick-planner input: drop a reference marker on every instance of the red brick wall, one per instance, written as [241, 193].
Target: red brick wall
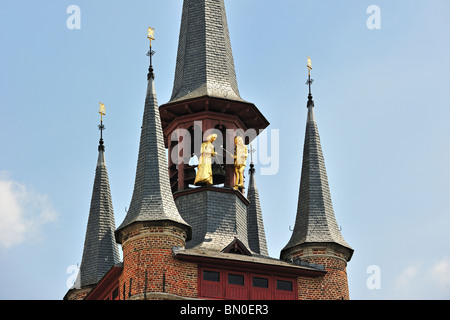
[149, 248]
[333, 286]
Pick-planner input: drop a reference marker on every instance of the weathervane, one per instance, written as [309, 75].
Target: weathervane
[101, 127]
[151, 35]
[309, 66]
[309, 82]
[150, 53]
[251, 150]
[102, 111]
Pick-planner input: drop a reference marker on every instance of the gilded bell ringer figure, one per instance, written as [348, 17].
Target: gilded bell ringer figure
[240, 161]
[204, 172]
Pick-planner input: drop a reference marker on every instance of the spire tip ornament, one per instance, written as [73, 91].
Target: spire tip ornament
[309, 66]
[151, 35]
[101, 127]
[101, 111]
[309, 82]
[150, 53]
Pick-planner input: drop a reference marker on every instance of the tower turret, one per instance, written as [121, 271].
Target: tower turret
[100, 251]
[152, 226]
[152, 198]
[316, 237]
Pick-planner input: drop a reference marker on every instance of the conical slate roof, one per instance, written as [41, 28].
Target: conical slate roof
[152, 198]
[255, 225]
[100, 248]
[315, 221]
[205, 65]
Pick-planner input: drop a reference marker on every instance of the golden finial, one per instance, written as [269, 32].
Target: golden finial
[309, 82]
[150, 53]
[102, 111]
[101, 127]
[309, 66]
[151, 35]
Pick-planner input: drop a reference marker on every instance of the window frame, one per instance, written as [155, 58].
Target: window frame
[211, 271]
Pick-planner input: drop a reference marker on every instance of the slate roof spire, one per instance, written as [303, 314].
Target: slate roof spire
[152, 198]
[255, 225]
[205, 64]
[100, 251]
[315, 221]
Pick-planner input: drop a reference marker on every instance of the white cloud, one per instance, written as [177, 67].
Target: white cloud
[22, 213]
[406, 280]
[431, 282]
[440, 272]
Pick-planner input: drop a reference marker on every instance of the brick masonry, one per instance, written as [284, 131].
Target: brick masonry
[334, 285]
[150, 248]
[78, 294]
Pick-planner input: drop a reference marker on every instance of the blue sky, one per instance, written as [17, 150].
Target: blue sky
[382, 107]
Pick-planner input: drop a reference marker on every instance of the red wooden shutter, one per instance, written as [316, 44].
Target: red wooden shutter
[285, 289]
[260, 287]
[211, 283]
[236, 285]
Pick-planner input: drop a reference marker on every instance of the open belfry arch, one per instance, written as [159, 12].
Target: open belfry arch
[193, 230]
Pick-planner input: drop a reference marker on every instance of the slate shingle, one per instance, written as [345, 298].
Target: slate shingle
[152, 198]
[205, 64]
[100, 251]
[315, 221]
[255, 225]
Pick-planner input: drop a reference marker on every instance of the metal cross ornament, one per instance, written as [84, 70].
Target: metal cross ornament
[251, 151]
[310, 81]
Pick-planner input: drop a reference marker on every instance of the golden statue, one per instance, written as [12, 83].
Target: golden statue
[204, 172]
[240, 161]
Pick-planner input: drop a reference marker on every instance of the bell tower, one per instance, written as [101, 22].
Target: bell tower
[206, 104]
